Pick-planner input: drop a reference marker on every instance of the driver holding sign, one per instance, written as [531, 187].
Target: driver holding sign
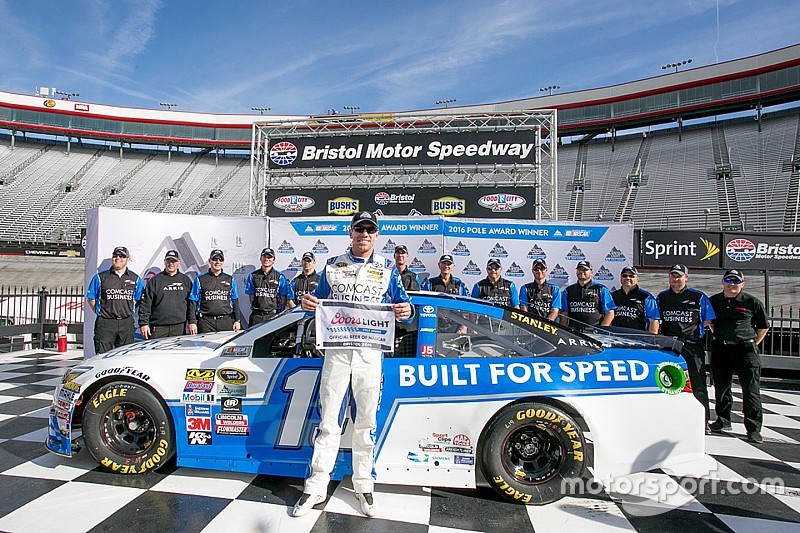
[356, 276]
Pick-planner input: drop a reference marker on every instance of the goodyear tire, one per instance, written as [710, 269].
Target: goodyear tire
[127, 430]
[532, 452]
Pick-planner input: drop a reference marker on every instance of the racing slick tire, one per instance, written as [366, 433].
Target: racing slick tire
[532, 453]
[127, 430]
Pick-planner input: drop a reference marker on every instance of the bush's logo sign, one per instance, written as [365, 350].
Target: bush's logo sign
[741, 250]
[501, 202]
[283, 153]
[293, 203]
[384, 198]
[448, 206]
[343, 205]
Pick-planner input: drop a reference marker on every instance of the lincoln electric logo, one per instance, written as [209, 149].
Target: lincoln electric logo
[283, 153]
[501, 202]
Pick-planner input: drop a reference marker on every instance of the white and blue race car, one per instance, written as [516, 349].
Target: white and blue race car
[479, 393]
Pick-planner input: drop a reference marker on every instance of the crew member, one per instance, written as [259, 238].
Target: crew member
[685, 315]
[358, 275]
[216, 298]
[410, 282]
[586, 301]
[165, 308]
[495, 288]
[269, 290]
[739, 327]
[307, 280]
[636, 308]
[538, 296]
[445, 282]
[113, 295]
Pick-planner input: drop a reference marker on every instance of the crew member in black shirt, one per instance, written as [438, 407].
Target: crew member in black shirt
[586, 302]
[410, 282]
[165, 308]
[307, 280]
[740, 326]
[216, 297]
[685, 314]
[113, 295]
[495, 288]
[538, 296]
[269, 290]
[636, 308]
[447, 283]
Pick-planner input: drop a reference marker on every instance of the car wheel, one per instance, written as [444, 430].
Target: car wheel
[532, 453]
[127, 430]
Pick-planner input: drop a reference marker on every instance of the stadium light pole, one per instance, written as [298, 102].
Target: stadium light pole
[677, 65]
[65, 94]
[550, 88]
[261, 109]
[351, 108]
[446, 102]
[168, 105]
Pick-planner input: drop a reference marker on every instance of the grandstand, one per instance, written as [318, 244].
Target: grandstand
[722, 174]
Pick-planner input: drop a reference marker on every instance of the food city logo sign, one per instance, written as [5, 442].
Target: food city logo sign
[501, 202]
[293, 203]
[427, 149]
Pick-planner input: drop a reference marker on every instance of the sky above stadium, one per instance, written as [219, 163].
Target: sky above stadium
[306, 57]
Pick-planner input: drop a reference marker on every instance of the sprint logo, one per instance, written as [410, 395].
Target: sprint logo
[711, 249]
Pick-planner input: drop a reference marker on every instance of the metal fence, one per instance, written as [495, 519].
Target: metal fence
[29, 318]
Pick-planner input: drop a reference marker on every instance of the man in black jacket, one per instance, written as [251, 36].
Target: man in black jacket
[307, 280]
[216, 297]
[165, 308]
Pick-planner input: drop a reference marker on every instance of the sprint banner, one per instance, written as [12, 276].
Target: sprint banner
[354, 325]
[412, 149]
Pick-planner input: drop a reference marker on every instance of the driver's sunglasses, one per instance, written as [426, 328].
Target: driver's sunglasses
[732, 281]
[120, 256]
[627, 276]
[372, 230]
[539, 268]
[493, 268]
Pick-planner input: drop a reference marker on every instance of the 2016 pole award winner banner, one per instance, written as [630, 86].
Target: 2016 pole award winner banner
[329, 237]
[354, 325]
[517, 243]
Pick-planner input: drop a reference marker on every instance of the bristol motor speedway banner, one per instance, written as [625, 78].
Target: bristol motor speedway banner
[148, 236]
[409, 149]
[483, 202]
[767, 251]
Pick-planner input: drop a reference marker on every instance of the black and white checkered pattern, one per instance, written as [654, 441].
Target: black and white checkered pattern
[44, 492]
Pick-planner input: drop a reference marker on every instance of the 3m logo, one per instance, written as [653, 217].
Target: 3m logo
[195, 423]
[200, 374]
[711, 249]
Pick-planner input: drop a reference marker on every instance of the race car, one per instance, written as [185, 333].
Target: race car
[479, 393]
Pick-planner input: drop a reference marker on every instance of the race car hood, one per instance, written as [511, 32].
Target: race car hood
[174, 345]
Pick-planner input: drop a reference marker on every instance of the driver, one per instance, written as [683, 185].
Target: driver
[358, 275]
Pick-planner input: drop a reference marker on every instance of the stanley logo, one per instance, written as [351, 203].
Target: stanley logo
[711, 249]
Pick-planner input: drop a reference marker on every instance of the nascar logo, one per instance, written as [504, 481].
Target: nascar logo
[293, 203]
[283, 153]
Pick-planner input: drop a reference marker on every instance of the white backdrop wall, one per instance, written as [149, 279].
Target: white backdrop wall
[471, 241]
[148, 236]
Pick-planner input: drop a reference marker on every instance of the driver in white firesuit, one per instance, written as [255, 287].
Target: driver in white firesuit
[358, 276]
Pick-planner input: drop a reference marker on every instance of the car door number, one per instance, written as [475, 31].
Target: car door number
[300, 386]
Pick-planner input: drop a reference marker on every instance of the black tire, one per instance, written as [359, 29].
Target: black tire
[532, 452]
[127, 430]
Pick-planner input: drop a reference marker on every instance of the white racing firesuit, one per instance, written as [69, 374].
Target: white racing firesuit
[352, 279]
